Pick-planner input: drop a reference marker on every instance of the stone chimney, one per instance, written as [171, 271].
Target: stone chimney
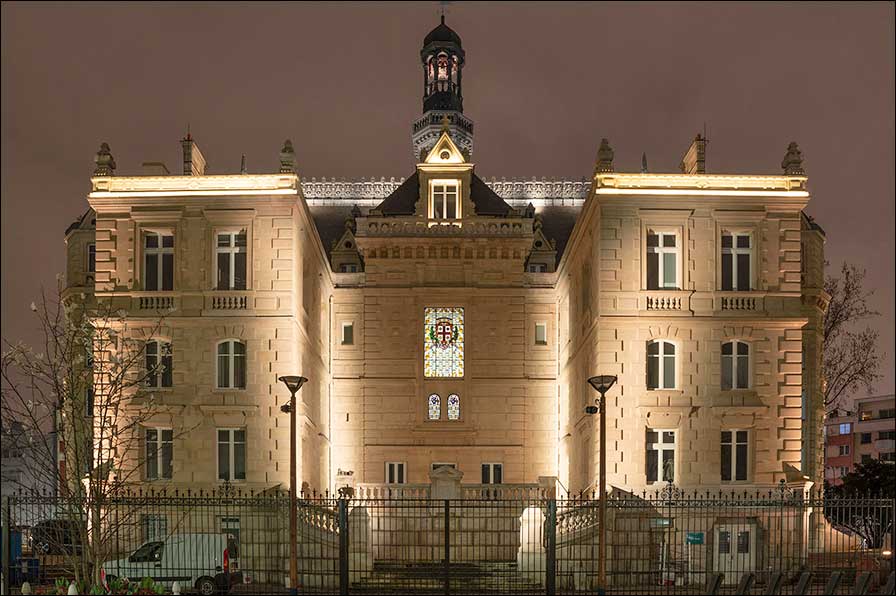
[694, 160]
[105, 163]
[792, 164]
[194, 161]
[604, 157]
[287, 158]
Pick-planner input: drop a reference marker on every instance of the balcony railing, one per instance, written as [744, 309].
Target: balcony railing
[159, 301]
[665, 301]
[740, 301]
[228, 300]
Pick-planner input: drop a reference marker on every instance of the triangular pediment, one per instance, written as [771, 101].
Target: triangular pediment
[444, 152]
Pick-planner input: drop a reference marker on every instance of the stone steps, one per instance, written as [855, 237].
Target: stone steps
[428, 578]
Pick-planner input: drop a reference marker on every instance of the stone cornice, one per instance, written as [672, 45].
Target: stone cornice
[645, 182]
[167, 186]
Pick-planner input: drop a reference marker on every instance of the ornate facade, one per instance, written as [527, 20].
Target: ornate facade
[447, 319]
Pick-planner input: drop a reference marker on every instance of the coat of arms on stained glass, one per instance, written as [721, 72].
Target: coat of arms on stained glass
[443, 342]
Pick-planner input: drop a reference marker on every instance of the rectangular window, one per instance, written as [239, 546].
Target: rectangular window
[661, 365]
[231, 365]
[743, 542]
[395, 472]
[866, 458]
[662, 261]
[155, 527]
[724, 542]
[348, 334]
[737, 254]
[845, 428]
[884, 434]
[444, 202]
[231, 454]
[348, 268]
[91, 258]
[537, 268]
[889, 456]
[843, 449]
[158, 262]
[735, 450]
[660, 456]
[158, 365]
[866, 438]
[735, 365]
[541, 334]
[887, 413]
[159, 453]
[492, 473]
[865, 415]
[230, 252]
[443, 342]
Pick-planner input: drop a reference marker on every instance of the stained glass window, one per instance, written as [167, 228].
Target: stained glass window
[435, 407]
[443, 342]
[453, 407]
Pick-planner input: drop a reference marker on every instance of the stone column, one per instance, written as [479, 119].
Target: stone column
[359, 551]
[530, 558]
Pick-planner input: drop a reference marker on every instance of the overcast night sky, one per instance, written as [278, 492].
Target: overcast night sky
[542, 82]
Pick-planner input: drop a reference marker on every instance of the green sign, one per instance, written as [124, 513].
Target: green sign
[694, 538]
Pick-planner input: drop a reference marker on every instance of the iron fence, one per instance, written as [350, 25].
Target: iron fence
[491, 541]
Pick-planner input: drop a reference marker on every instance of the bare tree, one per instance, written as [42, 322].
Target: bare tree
[851, 360]
[84, 390]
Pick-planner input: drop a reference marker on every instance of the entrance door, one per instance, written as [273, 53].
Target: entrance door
[734, 550]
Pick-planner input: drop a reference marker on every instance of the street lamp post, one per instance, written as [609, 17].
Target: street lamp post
[293, 383]
[602, 384]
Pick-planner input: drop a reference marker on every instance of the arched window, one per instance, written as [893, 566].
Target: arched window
[158, 364]
[735, 365]
[435, 406]
[231, 364]
[661, 365]
[443, 67]
[454, 407]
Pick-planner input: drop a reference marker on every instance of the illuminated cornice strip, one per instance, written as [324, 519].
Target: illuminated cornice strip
[702, 181]
[193, 193]
[702, 192]
[185, 184]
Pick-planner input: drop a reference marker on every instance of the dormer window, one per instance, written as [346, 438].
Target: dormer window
[444, 202]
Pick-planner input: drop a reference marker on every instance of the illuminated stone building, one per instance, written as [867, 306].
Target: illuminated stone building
[449, 318]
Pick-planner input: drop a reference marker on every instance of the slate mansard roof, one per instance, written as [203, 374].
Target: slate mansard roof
[558, 202]
[403, 199]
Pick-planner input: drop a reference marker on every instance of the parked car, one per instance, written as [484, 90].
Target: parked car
[201, 561]
[56, 537]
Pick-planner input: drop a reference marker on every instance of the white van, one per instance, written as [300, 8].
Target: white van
[200, 561]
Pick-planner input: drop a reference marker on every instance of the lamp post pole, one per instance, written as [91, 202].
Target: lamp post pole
[602, 384]
[293, 383]
[602, 504]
